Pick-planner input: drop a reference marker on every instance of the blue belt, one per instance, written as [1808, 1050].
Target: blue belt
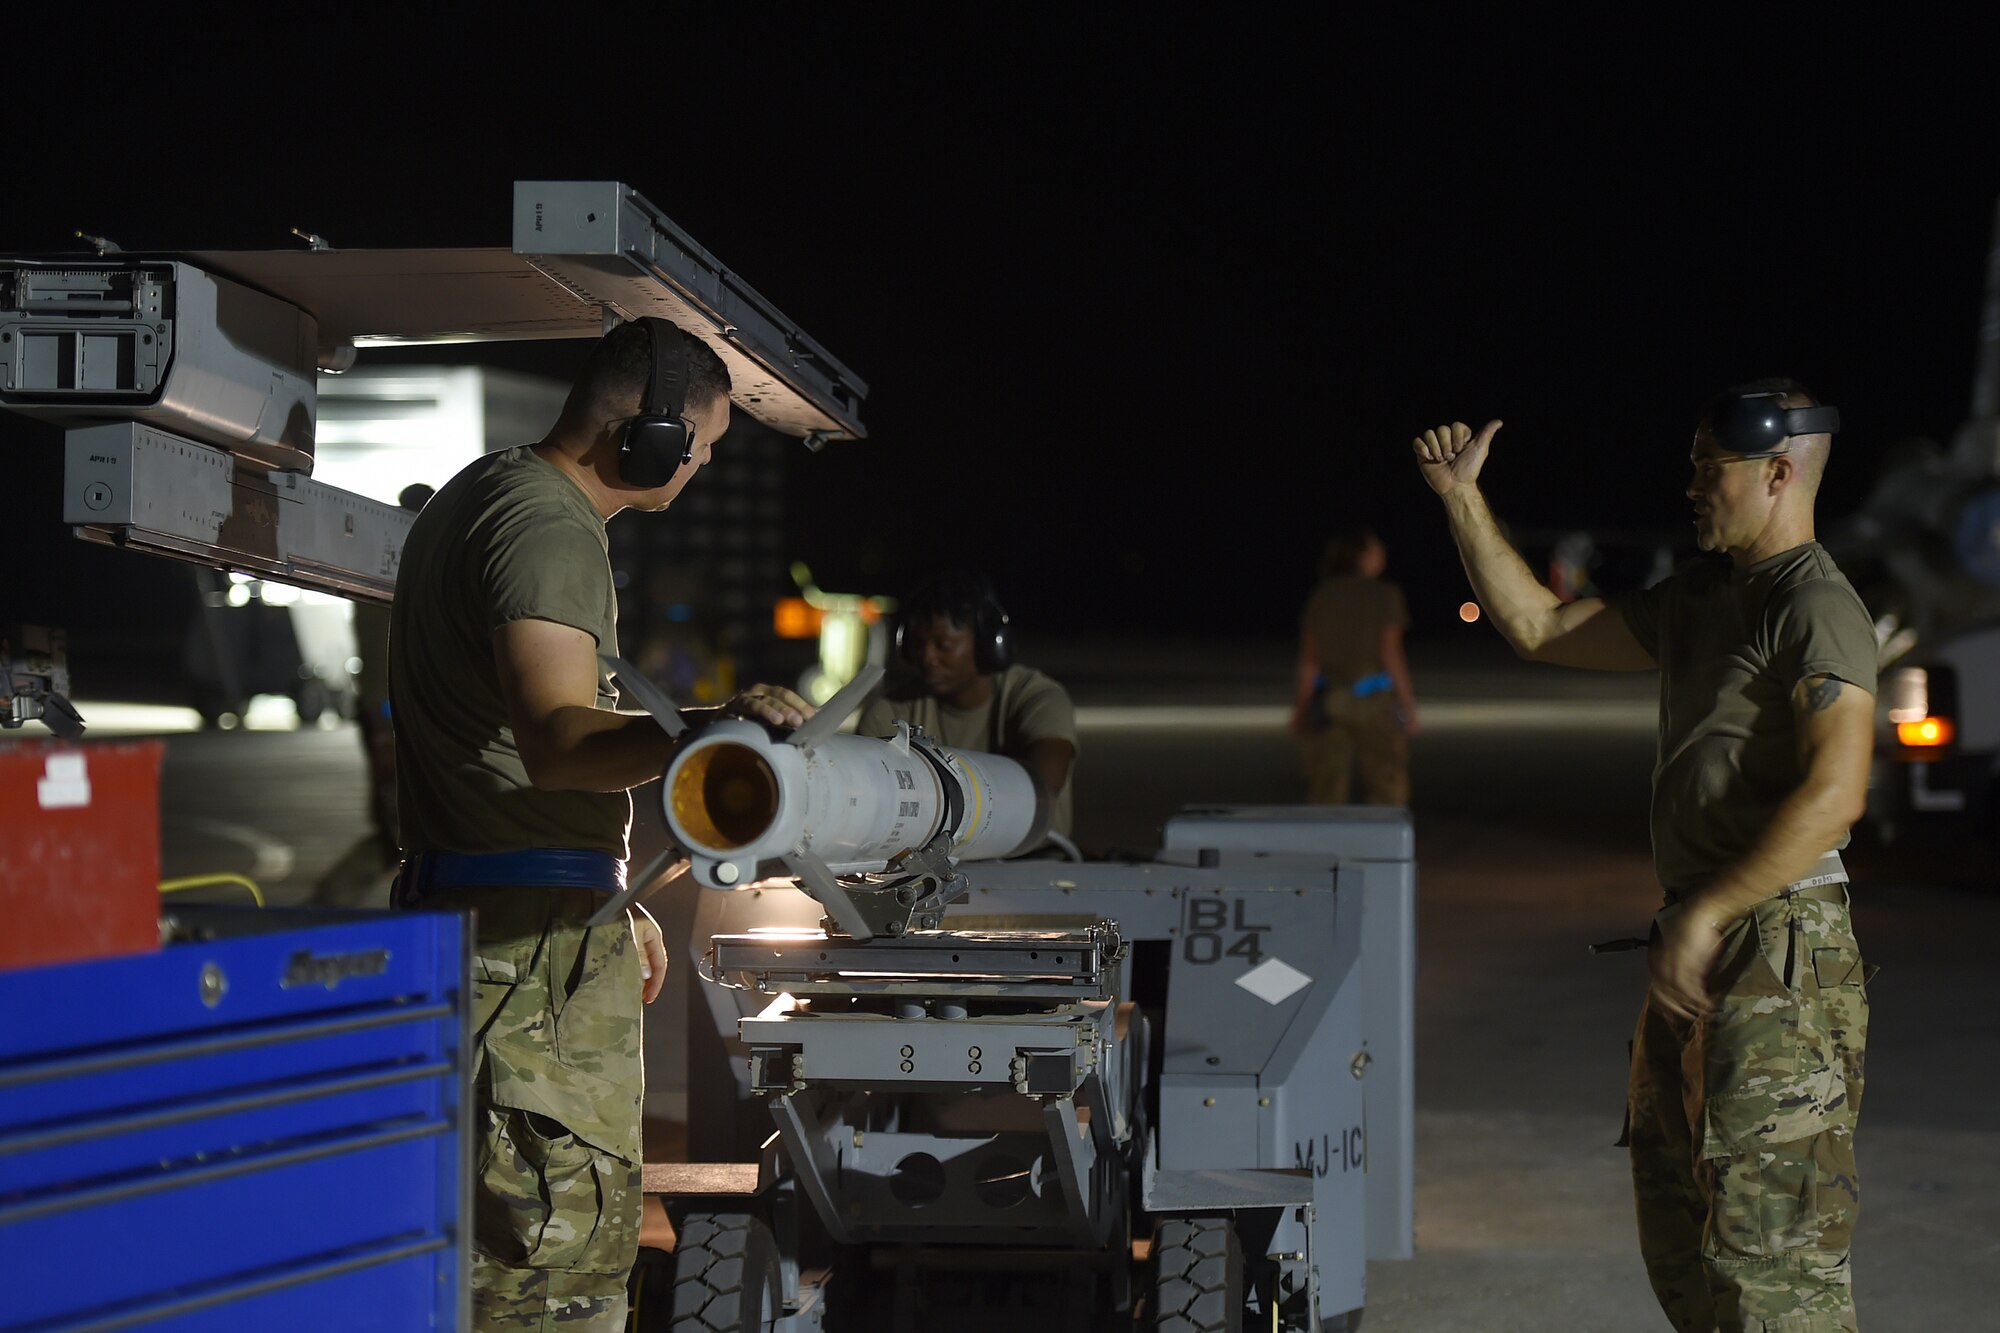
[534, 867]
[1379, 683]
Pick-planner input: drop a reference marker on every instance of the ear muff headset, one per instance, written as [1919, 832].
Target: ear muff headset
[659, 441]
[992, 634]
[1756, 425]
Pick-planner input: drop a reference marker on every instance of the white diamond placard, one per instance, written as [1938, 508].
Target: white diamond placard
[1273, 981]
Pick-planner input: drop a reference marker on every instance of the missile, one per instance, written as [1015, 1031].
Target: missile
[893, 816]
[735, 796]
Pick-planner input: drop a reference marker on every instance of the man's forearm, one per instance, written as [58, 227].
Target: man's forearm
[1521, 607]
[596, 749]
[1804, 829]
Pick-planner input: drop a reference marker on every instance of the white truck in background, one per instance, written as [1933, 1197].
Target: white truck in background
[1924, 552]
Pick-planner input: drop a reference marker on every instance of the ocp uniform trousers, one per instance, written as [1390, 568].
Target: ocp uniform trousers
[1741, 1129]
[1357, 733]
[557, 1093]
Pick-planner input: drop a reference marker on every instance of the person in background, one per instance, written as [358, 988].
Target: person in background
[1354, 707]
[969, 693]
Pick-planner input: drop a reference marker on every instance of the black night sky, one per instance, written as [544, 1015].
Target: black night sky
[1146, 301]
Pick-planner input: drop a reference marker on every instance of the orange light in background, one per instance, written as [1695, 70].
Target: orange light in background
[796, 618]
[1468, 612]
[1925, 732]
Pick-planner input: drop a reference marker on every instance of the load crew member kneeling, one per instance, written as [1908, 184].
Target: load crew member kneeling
[513, 769]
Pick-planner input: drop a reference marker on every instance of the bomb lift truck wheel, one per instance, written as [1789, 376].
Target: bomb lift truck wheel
[725, 1278]
[1197, 1276]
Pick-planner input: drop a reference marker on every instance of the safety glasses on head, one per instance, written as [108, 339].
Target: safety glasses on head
[1756, 425]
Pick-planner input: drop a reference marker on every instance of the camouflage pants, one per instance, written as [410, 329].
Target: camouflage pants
[1741, 1129]
[558, 1089]
[1359, 733]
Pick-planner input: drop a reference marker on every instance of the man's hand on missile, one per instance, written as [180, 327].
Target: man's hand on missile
[652, 952]
[1451, 456]
[770, 703]
[1681, 961]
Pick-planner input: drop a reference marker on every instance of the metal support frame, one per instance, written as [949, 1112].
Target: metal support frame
[1076, 1163]
[811, 1156]
[1071, 965]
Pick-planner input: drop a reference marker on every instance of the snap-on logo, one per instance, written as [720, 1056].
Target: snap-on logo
[329, 970]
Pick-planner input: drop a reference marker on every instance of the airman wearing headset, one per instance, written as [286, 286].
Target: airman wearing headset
[967, 691]
[1747, 1062]
[513, 768]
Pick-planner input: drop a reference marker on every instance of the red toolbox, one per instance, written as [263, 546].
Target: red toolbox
[79, 850]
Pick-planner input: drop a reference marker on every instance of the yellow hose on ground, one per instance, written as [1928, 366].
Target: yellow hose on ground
[209, 881]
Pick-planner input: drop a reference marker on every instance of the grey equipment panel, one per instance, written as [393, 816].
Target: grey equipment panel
[605, 242]
[365, 298]
[130, 485]
[161, 342]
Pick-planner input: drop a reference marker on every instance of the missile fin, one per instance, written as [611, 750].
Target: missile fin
[818, 881]
[827, 720]
[640, 884]
[651, 697]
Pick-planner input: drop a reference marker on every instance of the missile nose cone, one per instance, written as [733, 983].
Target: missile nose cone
[723, 797]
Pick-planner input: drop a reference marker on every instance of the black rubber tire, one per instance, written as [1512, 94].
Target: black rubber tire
[725, 1276]
[1197, 1276]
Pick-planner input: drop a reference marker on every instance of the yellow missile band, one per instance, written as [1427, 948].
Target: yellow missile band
[978, 803]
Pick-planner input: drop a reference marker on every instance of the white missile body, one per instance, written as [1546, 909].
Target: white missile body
[735, 796]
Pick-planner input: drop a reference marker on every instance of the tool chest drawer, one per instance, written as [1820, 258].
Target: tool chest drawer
[258, 1128]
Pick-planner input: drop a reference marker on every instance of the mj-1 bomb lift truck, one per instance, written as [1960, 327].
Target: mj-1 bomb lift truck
[970, 1065]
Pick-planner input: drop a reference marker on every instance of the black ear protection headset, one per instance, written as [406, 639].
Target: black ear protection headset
[1756, 425]
[992, 634]
[659, 441]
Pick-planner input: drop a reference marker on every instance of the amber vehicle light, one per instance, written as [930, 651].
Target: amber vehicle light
[796, 618]
[1925, 733]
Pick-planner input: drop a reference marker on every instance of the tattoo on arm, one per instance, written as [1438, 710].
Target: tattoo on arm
[1821, 691]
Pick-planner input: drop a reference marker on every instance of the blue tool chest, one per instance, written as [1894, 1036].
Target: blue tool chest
[259, 1128]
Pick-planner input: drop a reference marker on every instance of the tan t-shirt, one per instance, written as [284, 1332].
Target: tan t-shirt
[1732, 645]
[1026, 707]
[508, 538]
[1343, 622]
